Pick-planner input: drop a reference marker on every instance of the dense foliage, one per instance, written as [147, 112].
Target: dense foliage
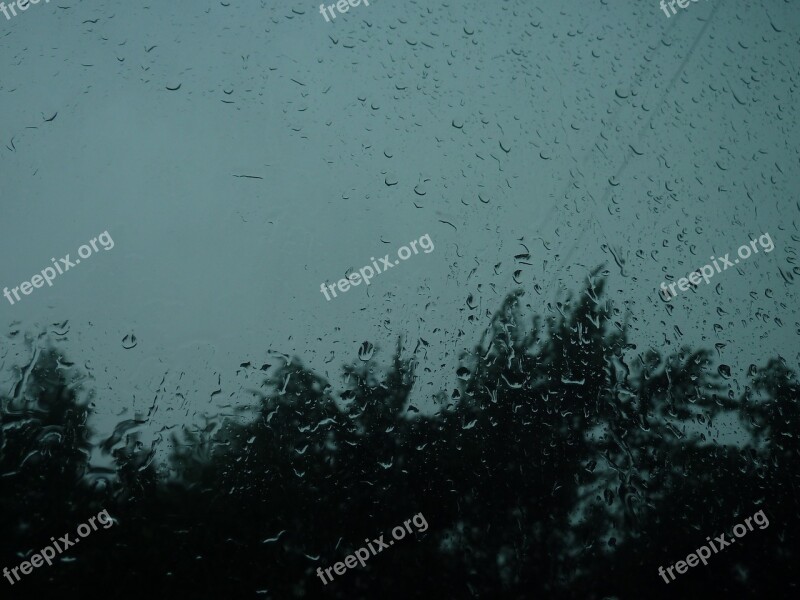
[568, 463]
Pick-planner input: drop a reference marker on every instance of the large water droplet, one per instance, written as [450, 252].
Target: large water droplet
[366, 351]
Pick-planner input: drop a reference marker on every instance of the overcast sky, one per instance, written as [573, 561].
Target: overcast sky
[580, 132]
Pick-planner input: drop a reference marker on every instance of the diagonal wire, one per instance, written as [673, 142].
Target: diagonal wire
[642, 130]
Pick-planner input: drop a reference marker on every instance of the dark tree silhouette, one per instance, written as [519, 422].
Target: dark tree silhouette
[567, 463]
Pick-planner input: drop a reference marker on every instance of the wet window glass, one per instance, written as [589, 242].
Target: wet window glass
[399, 299]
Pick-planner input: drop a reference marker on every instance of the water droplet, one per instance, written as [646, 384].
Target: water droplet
[366, 351]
